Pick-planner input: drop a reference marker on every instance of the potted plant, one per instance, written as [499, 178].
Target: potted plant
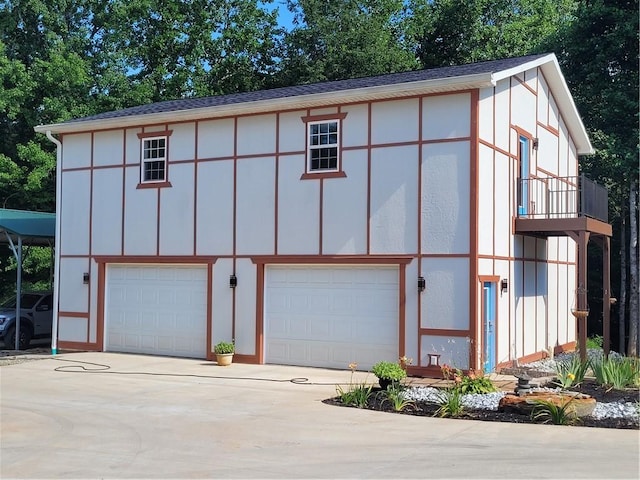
[224, 353]
[388, 373]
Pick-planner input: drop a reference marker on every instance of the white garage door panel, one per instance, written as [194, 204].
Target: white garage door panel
[330, 316]
[156, 309]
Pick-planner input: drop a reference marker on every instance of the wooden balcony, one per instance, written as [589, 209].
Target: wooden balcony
[574, 207]
[562, 206]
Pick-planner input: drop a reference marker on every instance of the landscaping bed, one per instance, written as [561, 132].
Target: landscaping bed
[377, 401]
[600, 392]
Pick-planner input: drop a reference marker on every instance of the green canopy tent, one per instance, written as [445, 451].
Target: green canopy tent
[19, 228]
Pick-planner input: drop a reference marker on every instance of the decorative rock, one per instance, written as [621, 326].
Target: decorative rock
[582, 405]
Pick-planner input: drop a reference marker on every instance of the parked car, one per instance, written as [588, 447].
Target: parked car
[36, 318]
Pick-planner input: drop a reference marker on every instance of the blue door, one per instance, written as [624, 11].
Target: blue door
[489, 326]
[523, 183]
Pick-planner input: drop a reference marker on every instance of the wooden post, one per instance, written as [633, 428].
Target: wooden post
[581, 294]
[606, 294]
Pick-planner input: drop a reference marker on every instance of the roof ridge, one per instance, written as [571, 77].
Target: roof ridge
[386, 79]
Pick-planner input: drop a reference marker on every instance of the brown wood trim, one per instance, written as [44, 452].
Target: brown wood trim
[196, 129]
[141, 186]
[522, 131]
[496, 149]
[326, 116]
[402, 309]
[427, 372]
[562, 226]
[369, 141]
[152, 259]
[548, 128]
[210, 354]
[101, 305]
[124, 189]
[259, 348]
[249, 359]
[322, 175]
[84, 346]
[73, 314]
[90, 246]
[332, 259]
[488, 278]
[276, 186]
[444, 332]
[320, 216]
[444, 255]
[525, 85]
[164, 133]
[473, 228]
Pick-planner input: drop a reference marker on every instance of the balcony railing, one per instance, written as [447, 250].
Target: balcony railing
[562, 197]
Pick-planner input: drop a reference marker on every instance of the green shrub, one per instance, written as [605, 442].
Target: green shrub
[595, 342]
[389, 371]
[547, 411]
[571, 372]
[474, 383]
[355, 396]
[616, 373]
[450, 401]
[224, 347]
[395, 396]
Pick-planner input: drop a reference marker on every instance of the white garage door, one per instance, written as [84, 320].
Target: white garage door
[156, 309]
[330, 316]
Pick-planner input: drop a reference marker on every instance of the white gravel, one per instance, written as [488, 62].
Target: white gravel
[489, 401]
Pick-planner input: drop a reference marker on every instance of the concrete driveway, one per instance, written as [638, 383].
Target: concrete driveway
[154, 417]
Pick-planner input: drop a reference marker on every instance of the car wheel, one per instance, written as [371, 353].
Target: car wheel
[25, 338]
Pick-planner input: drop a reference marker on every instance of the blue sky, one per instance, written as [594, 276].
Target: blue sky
[285, 17]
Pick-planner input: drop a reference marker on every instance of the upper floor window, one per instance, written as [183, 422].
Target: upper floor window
[323, 147]
[154, 159]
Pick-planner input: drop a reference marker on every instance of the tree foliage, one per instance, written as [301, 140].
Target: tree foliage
[451, 32]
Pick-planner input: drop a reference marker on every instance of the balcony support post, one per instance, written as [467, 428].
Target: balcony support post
[606, 294]
[581, 300]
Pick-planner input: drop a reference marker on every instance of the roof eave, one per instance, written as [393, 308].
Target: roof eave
[555, 79]
[288, 103]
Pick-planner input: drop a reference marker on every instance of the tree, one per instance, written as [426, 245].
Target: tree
[193, 47]
[599, 55]
[344, 39]
[450, 32]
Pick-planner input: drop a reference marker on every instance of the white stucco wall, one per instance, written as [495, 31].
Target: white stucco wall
[75, 212]
[394, 121]
[176, 212]
[255, 194]
[445, 301]
[214, 208]
[140, 216]
[446, 116]
[394, 210]
[445, 198]
[344, 208]
[298, 209]
[106, 215]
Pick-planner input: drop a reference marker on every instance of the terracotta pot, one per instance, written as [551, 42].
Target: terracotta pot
[224, 359]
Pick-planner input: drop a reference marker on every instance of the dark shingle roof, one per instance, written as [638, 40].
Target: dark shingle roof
[487, 67]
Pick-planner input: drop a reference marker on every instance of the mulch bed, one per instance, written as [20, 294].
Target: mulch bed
[376, 402]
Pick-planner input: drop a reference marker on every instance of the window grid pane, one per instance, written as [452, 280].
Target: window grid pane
[154, 160]
[323, 146]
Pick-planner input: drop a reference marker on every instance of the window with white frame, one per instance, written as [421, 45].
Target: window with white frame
[154, 160]
[323, 145]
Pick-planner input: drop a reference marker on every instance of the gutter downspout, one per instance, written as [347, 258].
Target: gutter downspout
[56, 270]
